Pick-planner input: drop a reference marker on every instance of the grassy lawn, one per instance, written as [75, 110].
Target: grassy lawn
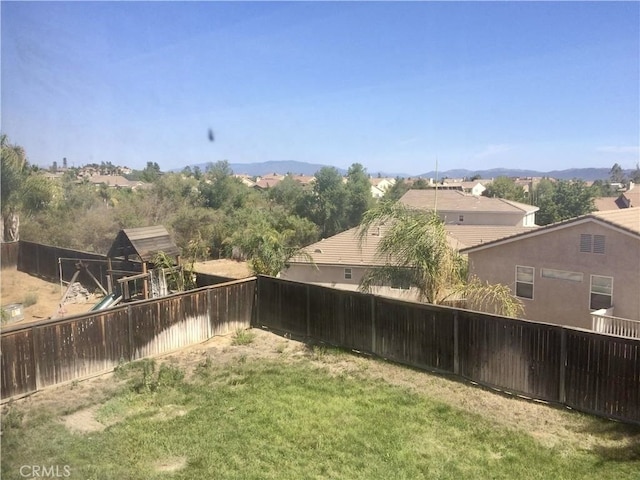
[261, 419]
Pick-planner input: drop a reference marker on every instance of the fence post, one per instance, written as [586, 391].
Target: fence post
[129, 317]
[209, 314]
[456, 343]
[562, 394]
[307, 290]
[373, 323]
[35, 370]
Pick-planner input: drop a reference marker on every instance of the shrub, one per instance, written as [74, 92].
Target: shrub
[243, 337]
[31, 298]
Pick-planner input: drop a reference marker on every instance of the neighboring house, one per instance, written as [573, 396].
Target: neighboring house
[383, 183]
[474, 188]
[268, 181]
[341, 262]
[456, 207]
[246, 180]
[565, 271]
[627, 199]
[114, 181]
[376, 192]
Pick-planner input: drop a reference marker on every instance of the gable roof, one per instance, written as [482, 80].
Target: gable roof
[144, 242]
[344, 248]
[625, 220]
[456, 201]
[633, 197]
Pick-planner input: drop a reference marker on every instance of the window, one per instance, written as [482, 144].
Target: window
[561, 274]
[461, 218]
[601, 292]
[591, 243]
[524, 281]
[347, 274]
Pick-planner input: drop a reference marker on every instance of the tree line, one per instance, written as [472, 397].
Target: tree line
[209, 213]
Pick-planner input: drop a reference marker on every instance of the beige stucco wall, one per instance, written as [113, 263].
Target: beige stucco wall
[565, 302]
[333, 276]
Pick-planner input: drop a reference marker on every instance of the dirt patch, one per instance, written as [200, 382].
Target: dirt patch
[170, 464]
[224, 268]
[83, 421]
[20, 287]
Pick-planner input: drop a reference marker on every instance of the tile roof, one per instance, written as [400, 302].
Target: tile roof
[466, 236]
[344, 248]
[627, 219]
[453, 200]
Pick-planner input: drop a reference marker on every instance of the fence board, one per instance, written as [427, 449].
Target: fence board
[276, 296]
[603, 374]
[17, 363]
[518, 356]
[340, 318]
[415, 334]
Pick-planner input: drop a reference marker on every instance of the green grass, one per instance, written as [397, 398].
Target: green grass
[272, 420]
[243, 337]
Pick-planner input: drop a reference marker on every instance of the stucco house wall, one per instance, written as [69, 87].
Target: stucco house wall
[560, 301]
[482, 218]
[334, 276]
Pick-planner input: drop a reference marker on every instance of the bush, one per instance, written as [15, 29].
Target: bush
[31, 298]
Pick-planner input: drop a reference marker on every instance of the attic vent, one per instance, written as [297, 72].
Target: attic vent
[317, 250]
[585, 242]
[598, 244]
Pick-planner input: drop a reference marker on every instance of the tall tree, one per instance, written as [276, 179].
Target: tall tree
[359, 198]
[397, 190]
[417, 254]
[507, 188]
[616, 174]
[562, 200]
[328, 201]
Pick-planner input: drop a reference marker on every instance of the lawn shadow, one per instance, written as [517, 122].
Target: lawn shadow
[621, 441]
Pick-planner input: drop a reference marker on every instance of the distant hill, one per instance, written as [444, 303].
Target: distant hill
[586, 174]
[303, 168]
[274, 166]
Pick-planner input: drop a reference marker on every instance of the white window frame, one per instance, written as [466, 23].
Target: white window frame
[348, 273]
[532, 282]
[609, 294]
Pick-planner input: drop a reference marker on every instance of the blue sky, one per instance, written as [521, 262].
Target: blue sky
[392, 85]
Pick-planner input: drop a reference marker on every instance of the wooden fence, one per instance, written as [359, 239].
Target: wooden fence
[56, 263]
[587, 371]
[37, 355]
[592, 372]
[9, 254]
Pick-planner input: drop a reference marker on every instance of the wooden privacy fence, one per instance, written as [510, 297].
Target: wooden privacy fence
[37, 355]
[587, 371]
[9, 254]
[56, 263]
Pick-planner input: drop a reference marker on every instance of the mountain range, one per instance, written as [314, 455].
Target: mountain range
[303, 168]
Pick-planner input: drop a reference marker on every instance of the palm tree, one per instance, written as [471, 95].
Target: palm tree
[416, 253]
[12, 174]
